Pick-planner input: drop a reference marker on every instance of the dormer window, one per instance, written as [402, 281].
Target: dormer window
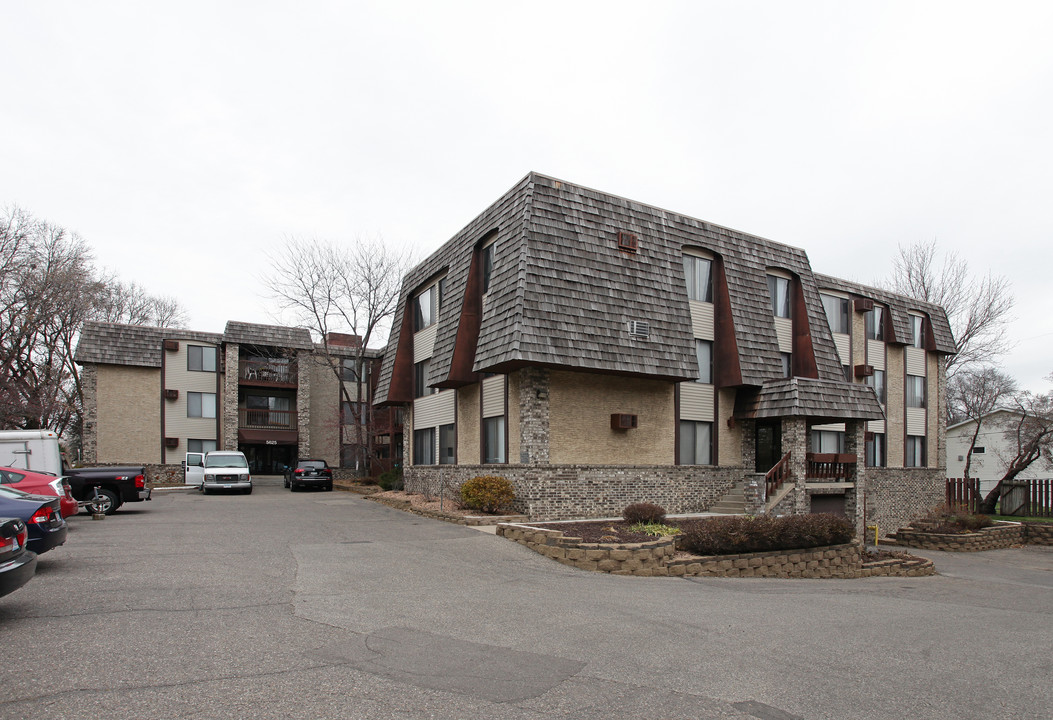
[699, 272]
[875, 323]
[836, 313]
[424, 309]
[779, 293]
[487, 259]
[917, 331]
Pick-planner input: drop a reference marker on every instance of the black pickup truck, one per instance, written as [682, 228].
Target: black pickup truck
[117, 485]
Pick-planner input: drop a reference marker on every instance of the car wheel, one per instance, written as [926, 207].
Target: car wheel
[287, 484]
[329, 487]
[204, 490]
[107, 502]
[248, 491]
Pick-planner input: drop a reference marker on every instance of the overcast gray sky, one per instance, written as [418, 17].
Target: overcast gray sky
[185, 140]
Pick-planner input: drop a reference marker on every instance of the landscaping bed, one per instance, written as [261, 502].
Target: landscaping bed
[445, 509]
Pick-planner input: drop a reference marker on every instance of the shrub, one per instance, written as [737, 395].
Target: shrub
[644, 513]
[735, 534]
[954, 519]
[487, 493]
[391, 479]
[656, 529]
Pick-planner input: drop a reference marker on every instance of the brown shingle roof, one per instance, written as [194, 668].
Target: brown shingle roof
[245, 333]
[117, 344]
[815, 399]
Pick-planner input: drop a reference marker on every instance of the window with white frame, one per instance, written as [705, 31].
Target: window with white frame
[447, 444]
[424, 309]
[201, 446]
[836, 313]
[779, 293]
[704, 353]
[915, 391]
[875, 450]
[696, 443]
[420, 379]
[917, 331]
[828, 441]
[487, 255]
[200, 359]
[877, 381]
[494, 439]
[698, 272]
[424, 446]
[200, 405]
[787, 364]
[874, 320]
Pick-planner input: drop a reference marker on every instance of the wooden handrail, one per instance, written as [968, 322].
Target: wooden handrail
[830, 466]
[777, 475]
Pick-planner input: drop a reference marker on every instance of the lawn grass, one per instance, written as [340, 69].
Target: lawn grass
[1017, 518]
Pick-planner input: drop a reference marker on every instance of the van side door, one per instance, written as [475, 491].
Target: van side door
[194, 469]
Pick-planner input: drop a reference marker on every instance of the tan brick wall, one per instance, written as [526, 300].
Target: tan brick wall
[324, 423]
[894, 409]
[129, 415]
[580, 421]
[729, 440]
[859, 339]
[468, 446]
[936, 455]
[512, 417]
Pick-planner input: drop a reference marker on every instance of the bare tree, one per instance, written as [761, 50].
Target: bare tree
[328, 288]
[978, 308]
[1030, 437]
[130, 303]
[978, 392]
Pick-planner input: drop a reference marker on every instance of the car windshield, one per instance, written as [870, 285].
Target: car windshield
[226, 461]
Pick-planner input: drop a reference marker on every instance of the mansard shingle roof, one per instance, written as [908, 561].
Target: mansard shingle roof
[117, 344]
[808, 397]
[245, 333]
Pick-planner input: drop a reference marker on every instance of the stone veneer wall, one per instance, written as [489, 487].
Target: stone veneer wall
[897, 496]
[231, 370]
[552, 492]
[534, 411]
[89, 381]
[303, 403]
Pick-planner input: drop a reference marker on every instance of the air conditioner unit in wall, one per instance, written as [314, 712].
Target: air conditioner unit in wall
[623, 421]
[864, 370]
[172, 345]
[864, 304]
[171, 442]
[639, 329]
[171, 394]
[628, 242]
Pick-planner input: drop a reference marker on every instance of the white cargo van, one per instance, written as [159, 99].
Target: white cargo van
[226, 470]
[36, 450]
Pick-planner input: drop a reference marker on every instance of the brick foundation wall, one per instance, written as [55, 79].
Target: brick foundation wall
[556, 492]
[897, 496]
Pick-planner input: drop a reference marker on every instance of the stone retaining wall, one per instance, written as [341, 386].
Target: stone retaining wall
[1036, 533]
[407, 506]
[657, 558]
[991, 538]
[563, 492]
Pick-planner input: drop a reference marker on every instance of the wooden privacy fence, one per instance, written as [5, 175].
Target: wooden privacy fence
[1027, 498]
[964, 492]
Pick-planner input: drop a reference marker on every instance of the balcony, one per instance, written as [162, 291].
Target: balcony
[277, 372]
[282, 420]
[830, 467]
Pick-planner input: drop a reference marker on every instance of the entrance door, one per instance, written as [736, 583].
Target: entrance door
[769, 445]
[269, 459]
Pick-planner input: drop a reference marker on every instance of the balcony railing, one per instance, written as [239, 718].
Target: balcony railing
[267, 419]
[779, 474]
[830, 466]
[274, 371]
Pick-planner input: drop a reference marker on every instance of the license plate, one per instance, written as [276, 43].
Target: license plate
[227, 487]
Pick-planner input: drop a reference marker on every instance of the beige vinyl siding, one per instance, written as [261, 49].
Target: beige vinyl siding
[424, 343]
[876, 354]
[916, 421]
[915, 361]
[702, 319]
[843, 343]
[876, 426]
[696, 402]
[830, 427]
[434, 410]
[177, 377]
[494, 396]
[784, 331]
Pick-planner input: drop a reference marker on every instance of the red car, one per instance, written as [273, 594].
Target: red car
[41, 484]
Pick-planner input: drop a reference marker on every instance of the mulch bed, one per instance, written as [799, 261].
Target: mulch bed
[613, 531]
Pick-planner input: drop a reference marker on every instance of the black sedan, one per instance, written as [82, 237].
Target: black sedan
[17, 564]
[310, 473]
[42, 516]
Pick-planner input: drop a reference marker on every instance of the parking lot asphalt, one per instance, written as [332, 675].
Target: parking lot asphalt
[326, 605]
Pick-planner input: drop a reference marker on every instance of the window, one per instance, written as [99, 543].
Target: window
[420, 379]
[494, 440]
[424, 309]
[441, 287]
[487, 258]
[447, 444]
[201, 446]
[979, 450]
[836, 313]
[915, 451]
[424, 446]
[787, 364]
[352, 413]
[696, 443]
[779, 292]
[704, 353]
[875, 450]
[828, 441]
[877, 381]
[917, 331]
[200, 405]
[875, 323]
[847, 370]
[10, 477]
[264, 411]
[200, 359]
[698, 272]
[915, 391]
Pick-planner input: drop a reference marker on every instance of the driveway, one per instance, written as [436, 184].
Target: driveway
[325, 605]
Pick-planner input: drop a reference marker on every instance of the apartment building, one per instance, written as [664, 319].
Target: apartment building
[597, 351]
[153, 394]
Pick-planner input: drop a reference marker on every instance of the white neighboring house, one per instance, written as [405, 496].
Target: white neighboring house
[991, 453]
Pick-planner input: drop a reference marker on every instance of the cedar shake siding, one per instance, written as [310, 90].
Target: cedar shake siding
[575, 302]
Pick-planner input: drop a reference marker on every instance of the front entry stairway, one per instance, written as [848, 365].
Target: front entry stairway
[733, 503]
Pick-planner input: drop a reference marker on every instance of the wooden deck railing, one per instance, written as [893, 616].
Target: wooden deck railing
[777, 475]
[267, 419]
[830, 466]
